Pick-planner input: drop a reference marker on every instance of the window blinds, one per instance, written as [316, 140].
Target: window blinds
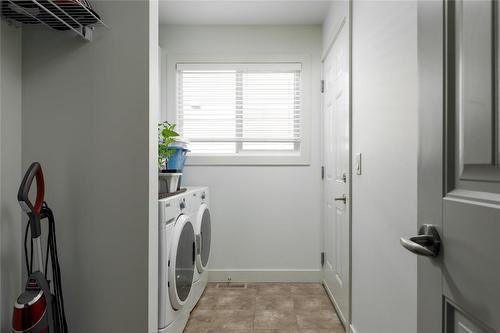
[238, 108]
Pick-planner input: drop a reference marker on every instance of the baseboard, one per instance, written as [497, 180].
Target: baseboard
[264, 275]
[340, 314]
[352, 329]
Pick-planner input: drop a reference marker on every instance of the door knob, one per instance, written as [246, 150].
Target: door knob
[343, 198]
[426, 243]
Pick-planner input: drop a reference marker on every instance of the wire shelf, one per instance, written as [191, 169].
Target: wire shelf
[75, 15]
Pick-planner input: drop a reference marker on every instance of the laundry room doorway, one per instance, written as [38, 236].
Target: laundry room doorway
[336, 172]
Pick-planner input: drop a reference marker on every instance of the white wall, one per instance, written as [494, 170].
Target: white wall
[10, 172]
[337, 12]
[384, 106]
[266, 219]
[86, 119]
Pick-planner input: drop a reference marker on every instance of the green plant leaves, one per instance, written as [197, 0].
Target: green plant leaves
[166, 135]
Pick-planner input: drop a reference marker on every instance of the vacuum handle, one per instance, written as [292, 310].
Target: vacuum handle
[33, 210]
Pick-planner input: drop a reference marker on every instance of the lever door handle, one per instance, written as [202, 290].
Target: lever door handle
[343, 198]
[427, 243]
[342, 180]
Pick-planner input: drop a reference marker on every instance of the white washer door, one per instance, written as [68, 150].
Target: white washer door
[181, 262]
[204, 237]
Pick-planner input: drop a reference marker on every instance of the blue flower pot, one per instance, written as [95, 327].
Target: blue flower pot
[177, 160]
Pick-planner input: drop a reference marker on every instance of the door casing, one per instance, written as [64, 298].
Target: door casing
[430, 155]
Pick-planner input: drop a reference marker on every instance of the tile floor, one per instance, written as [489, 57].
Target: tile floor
[265, 308]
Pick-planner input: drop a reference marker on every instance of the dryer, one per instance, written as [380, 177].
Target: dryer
[199, 210]
[177, 263]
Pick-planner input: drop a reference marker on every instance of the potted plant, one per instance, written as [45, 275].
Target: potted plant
[166, 135]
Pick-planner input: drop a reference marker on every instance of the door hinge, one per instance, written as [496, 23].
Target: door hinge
[322, 172]
[322, 86]
[322, 259]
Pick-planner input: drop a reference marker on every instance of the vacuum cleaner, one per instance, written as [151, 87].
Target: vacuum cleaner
[38, 309]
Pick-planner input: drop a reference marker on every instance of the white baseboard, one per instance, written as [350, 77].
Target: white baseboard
[264, 275]
[340, 314]
[352, 329]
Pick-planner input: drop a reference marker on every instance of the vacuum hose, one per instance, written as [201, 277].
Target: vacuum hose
[59, 316]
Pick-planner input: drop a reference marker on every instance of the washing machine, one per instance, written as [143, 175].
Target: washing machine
[199, 210]
[177, 263]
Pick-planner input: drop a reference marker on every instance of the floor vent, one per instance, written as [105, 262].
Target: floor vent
[231, 286]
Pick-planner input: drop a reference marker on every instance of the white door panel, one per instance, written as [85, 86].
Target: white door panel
[337, 173]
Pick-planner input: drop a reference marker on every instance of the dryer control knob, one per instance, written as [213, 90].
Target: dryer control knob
[182, 205]
[203, 196]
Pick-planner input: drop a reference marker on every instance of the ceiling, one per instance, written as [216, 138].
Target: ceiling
[244, 12]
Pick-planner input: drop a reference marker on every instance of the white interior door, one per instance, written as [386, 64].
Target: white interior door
[337, 174]
[459, 170]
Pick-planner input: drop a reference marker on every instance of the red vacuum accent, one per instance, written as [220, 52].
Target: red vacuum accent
[27, 317]
[40, 191]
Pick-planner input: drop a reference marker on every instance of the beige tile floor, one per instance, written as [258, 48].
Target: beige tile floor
[265, 308]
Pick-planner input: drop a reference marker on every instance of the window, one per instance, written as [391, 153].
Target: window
[237, 109]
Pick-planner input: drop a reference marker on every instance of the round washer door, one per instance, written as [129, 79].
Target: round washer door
[182, 262]
[204, 234]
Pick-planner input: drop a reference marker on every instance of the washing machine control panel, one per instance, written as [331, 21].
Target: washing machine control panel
[167, 211]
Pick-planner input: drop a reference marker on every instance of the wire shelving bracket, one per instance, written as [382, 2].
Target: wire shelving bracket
[73, 15]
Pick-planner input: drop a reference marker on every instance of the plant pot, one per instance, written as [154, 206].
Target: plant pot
[177, 160]
[171, 181]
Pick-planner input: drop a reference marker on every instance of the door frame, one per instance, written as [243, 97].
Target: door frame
[432, 98]
[345, 22]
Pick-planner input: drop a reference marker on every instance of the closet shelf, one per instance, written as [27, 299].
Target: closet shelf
[75, 15]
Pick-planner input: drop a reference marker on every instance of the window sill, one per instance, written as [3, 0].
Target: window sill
[256, 160]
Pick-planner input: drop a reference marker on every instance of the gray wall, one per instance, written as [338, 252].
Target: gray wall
[384, 197]
[255, 208]
[10, 171]
[86, 119]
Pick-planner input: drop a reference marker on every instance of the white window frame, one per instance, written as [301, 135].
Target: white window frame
[302, 157]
